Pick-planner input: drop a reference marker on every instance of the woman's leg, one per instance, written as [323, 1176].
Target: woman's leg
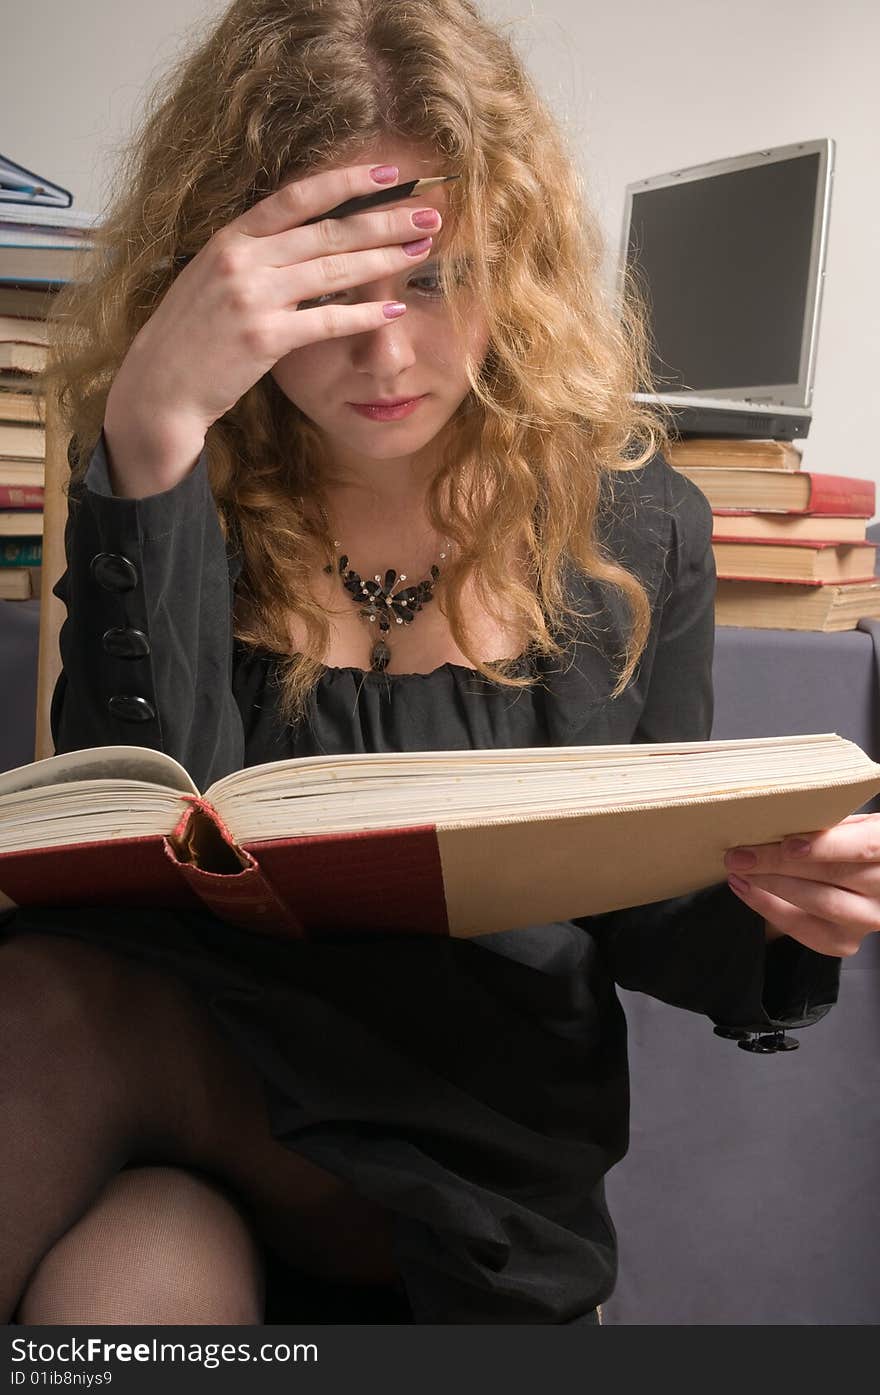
[159, 1246]
[104, 1062]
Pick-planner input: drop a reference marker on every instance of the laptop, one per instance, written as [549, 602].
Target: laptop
[730, 259]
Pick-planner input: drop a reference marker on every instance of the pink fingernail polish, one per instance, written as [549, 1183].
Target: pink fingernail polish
[796, 847]
[384, 174]
[740, 858]
[739, 884]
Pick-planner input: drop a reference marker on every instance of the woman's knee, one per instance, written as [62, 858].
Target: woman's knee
[159, 1246]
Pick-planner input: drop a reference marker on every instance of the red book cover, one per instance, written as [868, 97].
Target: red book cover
[18, 496]
[840, 494]
[200, 864]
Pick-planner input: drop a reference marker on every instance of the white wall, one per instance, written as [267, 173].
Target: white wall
[646, 88]
[73, 76]
[640, 88]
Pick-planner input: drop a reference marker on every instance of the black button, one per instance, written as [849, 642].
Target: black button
[768, 1043]
[114, 572]
[126, 644]
[731, 1033]
[130, 708]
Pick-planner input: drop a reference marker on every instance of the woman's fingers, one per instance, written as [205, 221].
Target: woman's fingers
[226, 319]
[306, 282]
[858, 877]
[826, 901]
[362, 234]
[822, 888]
[334, 254]
[301, 199]
[832, 924]
[854, 840]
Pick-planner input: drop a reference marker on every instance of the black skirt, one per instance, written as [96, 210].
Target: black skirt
[422, 1072]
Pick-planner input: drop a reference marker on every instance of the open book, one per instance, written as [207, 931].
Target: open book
[455, 843]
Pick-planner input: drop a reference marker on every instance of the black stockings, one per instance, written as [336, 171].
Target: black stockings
[158, 1246]
[130, 1127]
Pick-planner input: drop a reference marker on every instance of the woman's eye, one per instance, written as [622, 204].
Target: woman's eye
[428, 285]
[434, 277]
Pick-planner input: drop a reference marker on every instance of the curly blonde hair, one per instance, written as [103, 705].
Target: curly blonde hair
[276, 90]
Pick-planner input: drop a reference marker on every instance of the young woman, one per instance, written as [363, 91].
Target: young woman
[411, 1128]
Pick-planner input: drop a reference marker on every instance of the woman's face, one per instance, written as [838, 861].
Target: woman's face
[414, 356]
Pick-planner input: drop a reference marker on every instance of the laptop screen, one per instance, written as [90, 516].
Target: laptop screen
[729, 264]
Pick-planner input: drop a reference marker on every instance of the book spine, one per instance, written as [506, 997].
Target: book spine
[802, 581]
[814, 544]
[16, 553]
[13, 496]
[841, 495]
[798, 580]
[719, 535]
[16, 584]
[756, 460]
[226, 878]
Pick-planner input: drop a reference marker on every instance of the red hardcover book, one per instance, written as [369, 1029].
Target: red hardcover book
[781, 491]
[14, 496]
[458, 843]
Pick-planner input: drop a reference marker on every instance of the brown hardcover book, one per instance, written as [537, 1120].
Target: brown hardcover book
[18, 405]
[23, 358]
[794, 560]
[22, 474]
[782, 491]
[786, 605]
[711, 452]
[729, 525]
[22, 442]
[16, 583]
[31, 303]
[14, 329]
[43, 266]
[21, 523]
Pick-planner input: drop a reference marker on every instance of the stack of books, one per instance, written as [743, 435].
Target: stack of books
[41, 243]
[790, 545]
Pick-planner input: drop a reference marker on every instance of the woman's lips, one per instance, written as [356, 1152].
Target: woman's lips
[378, 413]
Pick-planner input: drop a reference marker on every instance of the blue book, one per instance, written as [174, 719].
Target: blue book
[21, 552]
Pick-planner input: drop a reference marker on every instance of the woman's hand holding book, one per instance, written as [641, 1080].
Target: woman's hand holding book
[822, 888]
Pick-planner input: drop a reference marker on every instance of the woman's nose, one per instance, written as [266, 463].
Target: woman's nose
[390, 343]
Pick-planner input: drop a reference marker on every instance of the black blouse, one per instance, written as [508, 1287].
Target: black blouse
[478, 1088]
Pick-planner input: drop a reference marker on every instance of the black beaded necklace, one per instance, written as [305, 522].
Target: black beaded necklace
[377, 601]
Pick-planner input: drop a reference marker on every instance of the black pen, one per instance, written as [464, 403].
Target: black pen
[411, 189]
